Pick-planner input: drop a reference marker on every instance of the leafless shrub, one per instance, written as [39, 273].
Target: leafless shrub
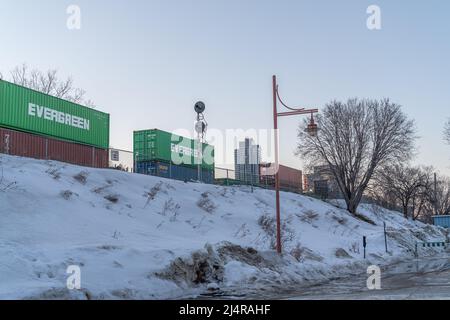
[309, 216]
[6, 186]
[268, 224]
[151, 195]
[297, 252]
[54, 173]
[81, 177]
[206, 203]
[171, 207]
[66, 194]
[355, 248]
[116, 235]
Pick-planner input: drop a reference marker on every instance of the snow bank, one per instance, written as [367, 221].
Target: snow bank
[141, 237]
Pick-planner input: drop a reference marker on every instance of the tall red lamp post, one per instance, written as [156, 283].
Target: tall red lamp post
[311, 129]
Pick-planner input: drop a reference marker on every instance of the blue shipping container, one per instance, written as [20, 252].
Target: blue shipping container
[171, 171]
[442, 221]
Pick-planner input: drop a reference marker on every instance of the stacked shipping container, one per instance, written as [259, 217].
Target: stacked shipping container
[171, 156]
[33, 124]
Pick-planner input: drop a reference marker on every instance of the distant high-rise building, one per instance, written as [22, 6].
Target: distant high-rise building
[246, 161]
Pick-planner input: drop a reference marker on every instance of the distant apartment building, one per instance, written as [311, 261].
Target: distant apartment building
[290, 179]
[247, 159]
[322, 183]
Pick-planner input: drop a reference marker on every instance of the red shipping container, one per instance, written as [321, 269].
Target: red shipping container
[39, 147]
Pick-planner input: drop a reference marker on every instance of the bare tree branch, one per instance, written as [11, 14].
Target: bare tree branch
[77, 95]
[49, 83]
[64, 87]
[19, 75]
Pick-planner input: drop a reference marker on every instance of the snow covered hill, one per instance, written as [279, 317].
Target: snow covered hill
[141, 237]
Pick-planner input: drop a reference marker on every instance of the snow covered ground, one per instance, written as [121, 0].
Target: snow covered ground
[141, 237]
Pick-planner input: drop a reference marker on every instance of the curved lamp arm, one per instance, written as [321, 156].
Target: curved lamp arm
[287, 107]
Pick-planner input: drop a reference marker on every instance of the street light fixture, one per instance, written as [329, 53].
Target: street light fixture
[311, 129]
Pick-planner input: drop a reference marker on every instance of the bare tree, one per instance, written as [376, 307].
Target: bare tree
[447, 132]
[413, 190]
[355, 139]
[421, 200]
[441, 196]
[49, 82]
[409, 186]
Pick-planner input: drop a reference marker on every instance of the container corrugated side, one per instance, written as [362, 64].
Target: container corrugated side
[31, 111]
[178, 172]
[29, 145]
[156, 144]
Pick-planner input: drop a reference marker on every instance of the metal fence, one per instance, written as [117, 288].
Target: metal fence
[227, 177]
[124, 160]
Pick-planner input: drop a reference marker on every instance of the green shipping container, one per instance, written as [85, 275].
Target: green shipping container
[150, 145]
[34, 112]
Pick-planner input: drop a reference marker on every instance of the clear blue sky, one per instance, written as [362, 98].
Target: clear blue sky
[147, 62]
